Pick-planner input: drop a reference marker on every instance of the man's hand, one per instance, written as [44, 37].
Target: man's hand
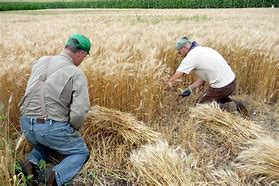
[174, 80]
[169, 86]
[186, 92]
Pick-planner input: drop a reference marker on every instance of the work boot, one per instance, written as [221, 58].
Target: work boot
[242, 108]
[76, 183]
[51, 179]
[29, 169]
[229, 106]
[47, 177]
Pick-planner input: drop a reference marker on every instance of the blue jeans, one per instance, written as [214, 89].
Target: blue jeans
[59, 137]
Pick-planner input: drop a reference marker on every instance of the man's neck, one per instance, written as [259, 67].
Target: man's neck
[69, 53]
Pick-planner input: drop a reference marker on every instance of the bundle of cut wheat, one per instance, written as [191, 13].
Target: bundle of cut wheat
[225, 176]
[112, 135]
[260, 160]
[229, 129]
[119, 124]
[159, 164]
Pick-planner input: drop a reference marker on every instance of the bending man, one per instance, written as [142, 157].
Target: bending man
[209, 66]
[54, 108]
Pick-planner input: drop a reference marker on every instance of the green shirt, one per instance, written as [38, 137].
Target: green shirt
[66, 91]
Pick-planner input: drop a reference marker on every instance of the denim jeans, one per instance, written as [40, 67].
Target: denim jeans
[59, 137]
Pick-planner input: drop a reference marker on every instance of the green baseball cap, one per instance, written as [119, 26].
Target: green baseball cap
[80, 41]
[182, 42]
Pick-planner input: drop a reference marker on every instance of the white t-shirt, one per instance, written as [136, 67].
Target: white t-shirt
[208, 65]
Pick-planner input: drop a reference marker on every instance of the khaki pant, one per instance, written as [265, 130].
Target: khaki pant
[220, 95]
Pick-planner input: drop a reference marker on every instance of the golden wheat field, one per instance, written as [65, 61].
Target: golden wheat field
[138, 133]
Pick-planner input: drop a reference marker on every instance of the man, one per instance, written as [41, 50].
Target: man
[54, 108]
[209, 66]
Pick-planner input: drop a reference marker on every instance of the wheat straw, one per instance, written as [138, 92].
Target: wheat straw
[260, 159]
[120, 124]
[231, 130]
[159, 164]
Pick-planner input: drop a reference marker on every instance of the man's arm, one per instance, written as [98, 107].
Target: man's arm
[196, 84]
[187, 92]
[80, 102]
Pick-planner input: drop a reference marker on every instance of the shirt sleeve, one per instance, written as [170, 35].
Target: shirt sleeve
[186, 66]
[80, 101]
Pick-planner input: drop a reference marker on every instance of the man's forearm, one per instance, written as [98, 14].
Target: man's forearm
[196, 84]
[76, 120]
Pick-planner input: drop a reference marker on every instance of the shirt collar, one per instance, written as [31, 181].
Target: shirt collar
[194, 44]
[64, 54]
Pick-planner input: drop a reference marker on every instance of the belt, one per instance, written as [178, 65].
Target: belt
[42, 120]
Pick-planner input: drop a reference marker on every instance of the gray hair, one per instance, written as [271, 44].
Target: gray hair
[73, 48]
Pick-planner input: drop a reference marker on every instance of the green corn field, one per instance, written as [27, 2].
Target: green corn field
[158, 4]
